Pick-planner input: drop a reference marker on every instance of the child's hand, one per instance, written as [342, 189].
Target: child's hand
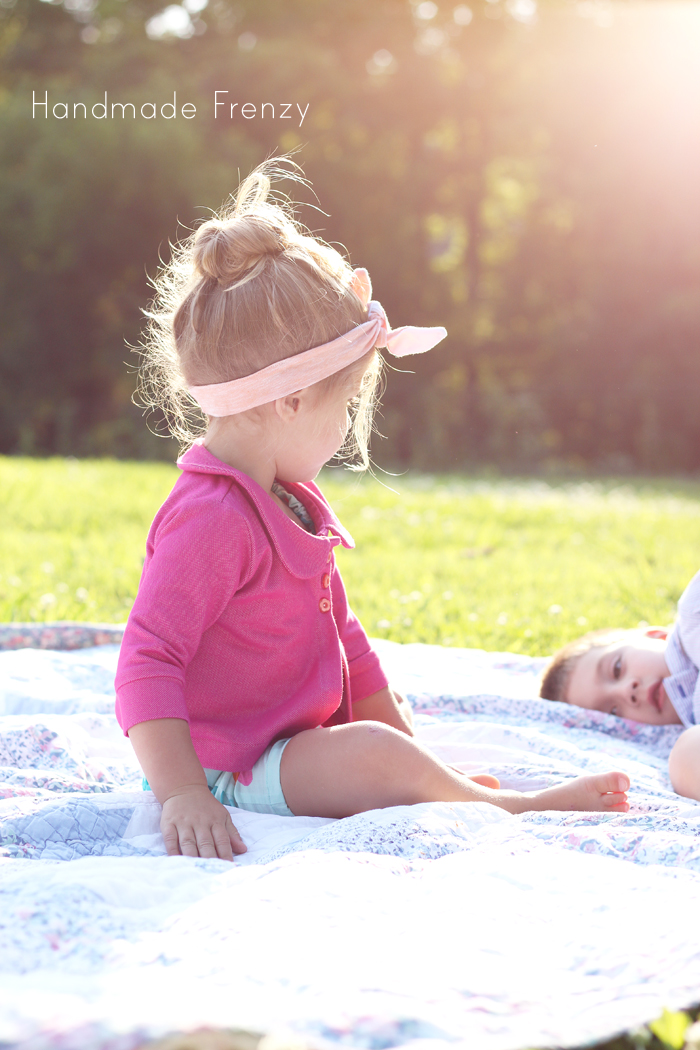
[194, 824]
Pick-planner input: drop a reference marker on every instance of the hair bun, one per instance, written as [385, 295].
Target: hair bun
[226, 250]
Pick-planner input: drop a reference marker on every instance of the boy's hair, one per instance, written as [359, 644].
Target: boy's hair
[556, 675]
[249, 287]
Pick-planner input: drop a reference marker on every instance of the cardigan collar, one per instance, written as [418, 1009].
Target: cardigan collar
[302, 553]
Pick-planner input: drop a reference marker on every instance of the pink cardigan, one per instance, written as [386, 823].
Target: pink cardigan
[241, 624]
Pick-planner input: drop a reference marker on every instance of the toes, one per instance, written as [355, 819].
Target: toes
[614, 782]
[614, 799]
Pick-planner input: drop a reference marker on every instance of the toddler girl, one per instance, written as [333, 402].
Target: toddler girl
[244, 677]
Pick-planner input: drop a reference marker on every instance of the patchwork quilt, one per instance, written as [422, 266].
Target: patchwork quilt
[425, 926]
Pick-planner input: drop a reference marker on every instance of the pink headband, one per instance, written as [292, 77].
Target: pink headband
[294, 373]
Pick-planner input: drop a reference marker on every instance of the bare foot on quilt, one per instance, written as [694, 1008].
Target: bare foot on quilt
[602, 793]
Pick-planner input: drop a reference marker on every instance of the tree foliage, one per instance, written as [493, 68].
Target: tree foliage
[526, 179]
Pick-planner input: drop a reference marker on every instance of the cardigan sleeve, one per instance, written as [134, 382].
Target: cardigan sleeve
[689, 619]
[688, 630]
[366, 674]
[195, 558]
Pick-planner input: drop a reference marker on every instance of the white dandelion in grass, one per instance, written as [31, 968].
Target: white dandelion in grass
[81, 594]
[447, 595]
[473, 617]
[46, 600]
[502, 619]
[47, 567]
[383, 624]
[407, 621]
[62, 588]
[554, 610]
[582, 621]
[14, 581]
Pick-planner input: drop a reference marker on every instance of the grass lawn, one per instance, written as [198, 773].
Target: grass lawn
[519, 565]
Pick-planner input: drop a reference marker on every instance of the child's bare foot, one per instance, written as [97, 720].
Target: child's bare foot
[602, 793]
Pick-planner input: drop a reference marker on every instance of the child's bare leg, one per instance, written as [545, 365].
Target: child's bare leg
[684, 764]
[368, 765]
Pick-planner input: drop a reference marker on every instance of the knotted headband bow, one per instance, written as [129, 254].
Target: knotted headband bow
[311, 366]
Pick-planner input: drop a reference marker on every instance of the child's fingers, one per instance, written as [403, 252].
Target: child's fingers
[207, 845]
[188, 841]
[222, 842]
[237, 843]
[171, 840]
[194, 833]
[184, 840]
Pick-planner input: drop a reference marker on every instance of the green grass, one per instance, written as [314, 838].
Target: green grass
[520, 565]
[497, 564]
[73, 536]
[516, 565]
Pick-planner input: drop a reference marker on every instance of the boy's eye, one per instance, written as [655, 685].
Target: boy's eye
[617, 667]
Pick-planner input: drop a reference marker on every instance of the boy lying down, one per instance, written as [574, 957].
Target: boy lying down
[644, 675]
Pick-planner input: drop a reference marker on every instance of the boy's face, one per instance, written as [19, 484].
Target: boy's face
[624, 679]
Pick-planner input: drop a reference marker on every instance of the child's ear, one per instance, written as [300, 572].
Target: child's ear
[361, 285]
[288, 407]
[656, 632]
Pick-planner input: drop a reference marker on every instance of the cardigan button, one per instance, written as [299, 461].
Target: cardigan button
[324, 605]
[325, 580]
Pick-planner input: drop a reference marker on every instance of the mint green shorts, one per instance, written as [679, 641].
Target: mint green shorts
[264, 793]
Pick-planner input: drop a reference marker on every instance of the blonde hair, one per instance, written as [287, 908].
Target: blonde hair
[249, 287]
[556, 675]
